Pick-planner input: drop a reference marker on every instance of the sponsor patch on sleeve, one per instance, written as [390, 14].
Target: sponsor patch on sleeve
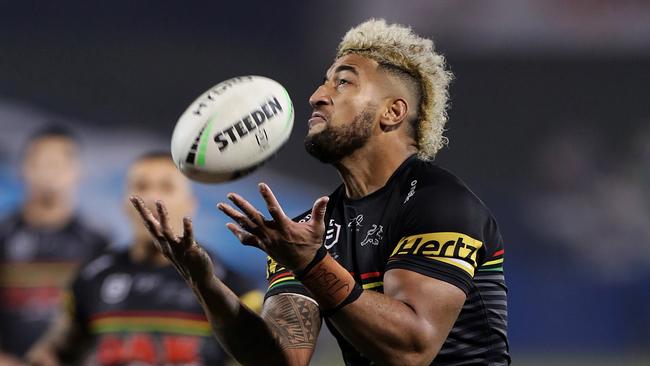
[278, 275]
[456, 249]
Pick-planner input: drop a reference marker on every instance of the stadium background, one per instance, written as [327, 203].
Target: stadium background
[549, 125]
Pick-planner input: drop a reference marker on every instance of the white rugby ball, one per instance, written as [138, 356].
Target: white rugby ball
[232, 129]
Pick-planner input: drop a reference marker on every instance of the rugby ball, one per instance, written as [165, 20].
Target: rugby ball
[232, 129]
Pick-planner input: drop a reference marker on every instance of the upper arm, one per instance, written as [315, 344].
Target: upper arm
[442, 235]
[436, 302]
[295, 323]
[431, 268]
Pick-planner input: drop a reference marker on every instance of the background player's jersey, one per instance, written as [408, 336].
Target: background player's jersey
[36, 266]
[424, 220]
[138, 313]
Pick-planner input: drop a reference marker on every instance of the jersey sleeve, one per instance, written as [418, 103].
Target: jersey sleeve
[281, 280]
[442, 234]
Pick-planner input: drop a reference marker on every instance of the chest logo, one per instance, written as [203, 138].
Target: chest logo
[116, 287]
[355, 222]
[332, 234]
[373, 236]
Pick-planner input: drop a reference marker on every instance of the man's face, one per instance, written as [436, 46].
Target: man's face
[51, 168]
[344, 109]
[158, 179]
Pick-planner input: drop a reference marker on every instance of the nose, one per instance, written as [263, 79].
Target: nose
[320, 97]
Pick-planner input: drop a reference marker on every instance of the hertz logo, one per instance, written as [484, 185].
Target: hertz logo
[457, 249]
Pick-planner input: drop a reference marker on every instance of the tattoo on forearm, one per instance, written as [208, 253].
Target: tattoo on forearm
[294, 320]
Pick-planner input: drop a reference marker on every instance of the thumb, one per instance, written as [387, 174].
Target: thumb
[318, 211]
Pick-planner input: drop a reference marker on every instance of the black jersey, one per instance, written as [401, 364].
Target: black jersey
[36, 266]
[138, 313]
[425, 220]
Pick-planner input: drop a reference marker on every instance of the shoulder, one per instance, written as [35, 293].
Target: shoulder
[433, 189]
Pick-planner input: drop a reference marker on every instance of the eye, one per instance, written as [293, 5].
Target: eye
[343, 82]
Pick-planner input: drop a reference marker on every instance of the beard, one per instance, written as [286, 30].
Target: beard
[333, 144]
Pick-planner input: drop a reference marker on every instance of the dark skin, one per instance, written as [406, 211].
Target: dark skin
[408, 322]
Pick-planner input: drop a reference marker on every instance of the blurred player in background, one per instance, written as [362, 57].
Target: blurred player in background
[403, 261]
[43, 242]
[130, 306]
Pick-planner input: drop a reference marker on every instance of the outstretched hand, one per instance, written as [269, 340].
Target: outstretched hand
[292, 244]
[191, 261]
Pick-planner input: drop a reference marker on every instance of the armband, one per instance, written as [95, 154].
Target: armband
[330, 284]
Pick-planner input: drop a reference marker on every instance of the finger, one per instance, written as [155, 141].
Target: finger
[239, 218]
[244, 236]
[249, 210]
[150, 222]
[272, 204]
[319, 209]
[188, 232]
[167, 230]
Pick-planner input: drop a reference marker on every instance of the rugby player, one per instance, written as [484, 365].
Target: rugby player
[43, 242]
[402, 260]
[129, 306]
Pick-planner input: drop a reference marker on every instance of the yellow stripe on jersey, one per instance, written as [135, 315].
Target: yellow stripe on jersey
[457, 249]
[496, 261]
[456, 263]
[283, 279]
[372, 285]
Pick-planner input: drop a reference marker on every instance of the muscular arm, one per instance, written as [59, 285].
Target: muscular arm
[285, 333]
[406, 325]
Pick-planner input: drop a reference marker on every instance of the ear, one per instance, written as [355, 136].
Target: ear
[394, 114]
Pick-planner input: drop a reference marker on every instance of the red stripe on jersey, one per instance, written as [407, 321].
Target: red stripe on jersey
[280, 276]
[498, 253]
[370, 274]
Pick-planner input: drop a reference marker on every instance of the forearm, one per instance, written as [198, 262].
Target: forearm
[387, 329]
[391, 333]
[248, 337]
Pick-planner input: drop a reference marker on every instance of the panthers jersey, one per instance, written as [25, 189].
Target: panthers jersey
[138, 313]
[428, 221]
[36, 266]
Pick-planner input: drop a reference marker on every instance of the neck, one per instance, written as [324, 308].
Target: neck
[47, 213]
[144, 250]
[369, 168]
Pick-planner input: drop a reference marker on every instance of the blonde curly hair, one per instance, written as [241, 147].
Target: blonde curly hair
[398, 46]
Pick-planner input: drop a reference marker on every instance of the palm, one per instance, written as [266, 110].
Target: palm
[290, 243]
[189, 258]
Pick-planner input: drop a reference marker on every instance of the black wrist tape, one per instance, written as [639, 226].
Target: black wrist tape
[352, 297]
[320, 254]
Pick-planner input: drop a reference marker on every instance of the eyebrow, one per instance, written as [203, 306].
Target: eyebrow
[340, 68]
